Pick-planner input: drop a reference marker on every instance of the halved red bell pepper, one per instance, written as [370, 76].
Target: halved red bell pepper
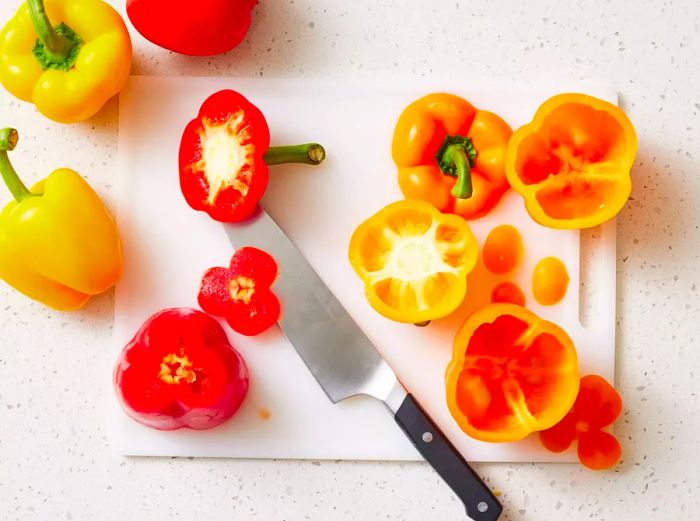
[241, 293]
[180, 370]
[224, 155]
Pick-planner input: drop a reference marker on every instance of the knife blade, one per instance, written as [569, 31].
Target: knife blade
[345, 363]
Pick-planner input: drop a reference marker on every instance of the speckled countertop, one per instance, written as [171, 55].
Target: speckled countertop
[56, 462]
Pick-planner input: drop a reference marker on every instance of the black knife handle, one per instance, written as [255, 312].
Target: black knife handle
[478, 499]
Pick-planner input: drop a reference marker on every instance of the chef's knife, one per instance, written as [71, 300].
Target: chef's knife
[345, 363]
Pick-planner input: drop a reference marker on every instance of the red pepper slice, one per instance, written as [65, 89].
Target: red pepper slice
[180, 370]
[224, 155]
[597, 405]
[241, 293]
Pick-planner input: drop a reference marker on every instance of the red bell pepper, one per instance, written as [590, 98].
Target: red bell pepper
[201, 28]
[180, 371]
[241, 293]
[224, 154]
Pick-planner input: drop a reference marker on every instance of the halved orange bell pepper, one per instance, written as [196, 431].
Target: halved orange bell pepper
[451, 155]
[572, 163]
[511, 374]
[413, 261]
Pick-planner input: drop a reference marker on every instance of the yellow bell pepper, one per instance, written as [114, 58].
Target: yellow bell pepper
[73, 68]
[58, 243]
[414, 261]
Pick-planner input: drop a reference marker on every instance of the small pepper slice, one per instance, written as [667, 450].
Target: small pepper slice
[58, 243]
[572, 163]
[413, 261]
[451, 155]
[241, 293]
[72, 68]
[597, 405]
[224, 155]
[511, 374]
[179, 371]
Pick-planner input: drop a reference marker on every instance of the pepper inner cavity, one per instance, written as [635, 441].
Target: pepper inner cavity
[225, 156]
[174, 369]
[242, 289]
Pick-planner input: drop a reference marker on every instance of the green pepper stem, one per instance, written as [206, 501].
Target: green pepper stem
[456, 157]
[463, 187]
[8, 142]
[57, 47]
[309, 154]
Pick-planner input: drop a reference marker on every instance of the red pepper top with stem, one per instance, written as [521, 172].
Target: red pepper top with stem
[224, 155]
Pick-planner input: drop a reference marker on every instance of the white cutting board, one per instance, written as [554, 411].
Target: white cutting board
[168, 247]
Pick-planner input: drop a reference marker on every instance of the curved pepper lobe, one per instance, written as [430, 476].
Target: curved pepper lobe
[179, 371]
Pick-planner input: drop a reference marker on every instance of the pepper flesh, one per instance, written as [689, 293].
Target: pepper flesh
[572, 163]
[241, 293]
[451, 155]
[511, 374]
[58, 243]
[209, 27]
[413, 261]
[179, 371]
[74, 67]
[224, 156]
[597, 406]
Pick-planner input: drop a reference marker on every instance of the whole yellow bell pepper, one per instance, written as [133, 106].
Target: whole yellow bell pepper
[58, 243]
[414, 261]
[72, 69]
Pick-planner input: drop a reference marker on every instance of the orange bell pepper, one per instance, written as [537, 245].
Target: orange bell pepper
[451, 155]
[511, 374]
[572, 163]
[414, 261]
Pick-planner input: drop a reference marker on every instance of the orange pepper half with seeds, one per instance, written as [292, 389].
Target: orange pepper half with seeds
[451, 155]
[511, 374]
[414, 261]
[572, 163]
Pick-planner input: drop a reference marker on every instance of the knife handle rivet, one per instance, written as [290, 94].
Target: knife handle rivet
[427, 437]
[482, 506]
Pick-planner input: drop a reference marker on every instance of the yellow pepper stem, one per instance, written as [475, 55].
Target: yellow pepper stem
[57, 46]
[8, 142]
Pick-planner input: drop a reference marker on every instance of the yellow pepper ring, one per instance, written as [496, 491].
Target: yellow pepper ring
[72, 68]
[413, 261]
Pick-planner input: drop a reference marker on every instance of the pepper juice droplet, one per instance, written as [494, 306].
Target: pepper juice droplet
[502, 250]
[550, 281]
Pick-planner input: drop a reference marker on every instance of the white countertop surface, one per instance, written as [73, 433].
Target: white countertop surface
[56, 462]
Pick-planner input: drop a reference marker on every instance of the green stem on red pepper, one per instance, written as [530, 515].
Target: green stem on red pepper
[57, 47]
[456, 157]
[8, 142]
[309, 154]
